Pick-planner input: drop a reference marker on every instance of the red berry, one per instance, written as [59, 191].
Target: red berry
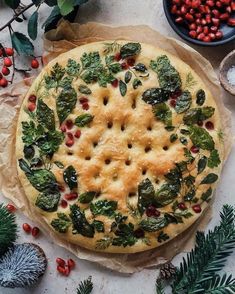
[85, 106]
[118, 56]
[35, 231]
[26, 227]
[31, 106]
[194, 149]
[34, 63]
[173, 103]
[63, 203]
[9, 51]
[60, 261]
[67, 271]
[83, 100]
[209, 125]
[182, 206]
[61, 270]
[10, 207]
[32, 98]
[115, 83]
[5, 71]
[152, 211]
[71, 263]
[77, 134]
[71, 196]
[197, 208]
[131, 61]
[7, 61]
[69, 124]
[3, 82]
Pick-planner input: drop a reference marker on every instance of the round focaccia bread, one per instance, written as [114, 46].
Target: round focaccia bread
[119, 146]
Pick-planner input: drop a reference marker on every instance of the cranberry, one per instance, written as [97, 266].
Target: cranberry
[71, 196]
[71, 263]
[77, 134]
[117, 56]
[152, 211]
[69, 124]
[31, 106]
[209, 125]
[5, 71]
[35, 231]
[63, 203]
[7, 61]
[194, 149]
[60, 261]
[9, 51]
[3, 83]
[83, 100]
[10, 207]
[124, 65]
[131, 61]
[34, 63]
[85, 106]
[115, 83]
[26, 227]
[197, 208]
[139, 233]
[182, 206]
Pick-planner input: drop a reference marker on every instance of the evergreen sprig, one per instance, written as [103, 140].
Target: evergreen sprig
[197, 273]
[85, 287]
[8, 229]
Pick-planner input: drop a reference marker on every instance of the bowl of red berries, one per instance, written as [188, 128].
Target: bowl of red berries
[202, 22]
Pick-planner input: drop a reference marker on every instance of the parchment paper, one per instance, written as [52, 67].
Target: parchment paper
[66, 37]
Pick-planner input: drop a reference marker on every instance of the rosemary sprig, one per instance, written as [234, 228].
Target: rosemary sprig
[111, 47]
[190, 81]
[85, 287]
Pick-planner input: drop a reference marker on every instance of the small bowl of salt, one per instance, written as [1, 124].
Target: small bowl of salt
[227, 73]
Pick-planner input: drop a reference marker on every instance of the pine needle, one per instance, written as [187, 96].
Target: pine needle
[85, 287]
[219, 285]
[159, 287]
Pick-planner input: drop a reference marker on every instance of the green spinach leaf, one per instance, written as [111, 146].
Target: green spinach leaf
[130, 49]
[194, 115]
[48, 201]
[155, 96]
[201, 138]
[83, 120]
[98, 225]
[87, 197]
[146, 195]
[70, 177]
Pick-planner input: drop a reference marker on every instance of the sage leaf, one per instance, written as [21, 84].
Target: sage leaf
[166, 194]
[130, 49]
[45, 115]
[146, 195]
[128, 76]
[163, 113]
[168, 77]
[122, 88]
[65, 103]
[200, 97]
[154, 96]
[48, 201]
[83, 120]
[33, 25]
[202, 162]
[209, 179]
[22, 44]
[201, 138]
[151, 224]
[214, 159]
[70, 177]
[184, 102]
[87, 197]
[136, 83]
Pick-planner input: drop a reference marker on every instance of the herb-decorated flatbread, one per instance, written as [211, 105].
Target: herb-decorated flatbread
[119, 146]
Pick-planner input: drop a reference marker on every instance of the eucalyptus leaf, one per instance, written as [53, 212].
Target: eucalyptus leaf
[155, 96]
[55, 13]
[183, 102]
[22, 44]
[202, 162]
[200, 97]
[87, 197]
[122, 88]
[128, 76]
[33, 25]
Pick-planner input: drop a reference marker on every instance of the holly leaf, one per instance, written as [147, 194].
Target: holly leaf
[22, 44]
[12, 3]
[66, 6]
[33, 25]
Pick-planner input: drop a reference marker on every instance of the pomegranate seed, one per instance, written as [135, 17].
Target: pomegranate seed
[61, 188]
[197, 208]
[85, 106]
[7, 61]
[219, 35]
[193, 34]
[214, 29]
[61, 270]
[173, 103]
[118, 56]
[139, 233]
[201, 36]
[3, 83]
[35, 231]
[207, 39]
[152, 211]
[71, 196]
[199, 29]
[189, 17]
[60, 261]
[34, 63]
[218, 4]
[71, 263]
[10, 207]
[198, 15]
[208, 18]
[198, 21]
[31, 106]
[69, 124]
[194, 149]
[182, 206]
[27, 228]
[176, 94]
[229, 9]
[70, 135]
[124, 65]
[184, 9]
[63, 203]
[215, 21]
[209, 125]
[173, 10]
[231, 22]
[195, 4]
[69, 142]
[9, 51]
[200, 123]
[224, 16]
[192, 11]
[5, 71]
[83, 100]
[206, 30]
[203, 22]
[131, 61]
[115, 83]
[192, 27]
[212, 36]
[210, 3]
[32, 98]
[233, 6]
[77, 134]
[63, 128]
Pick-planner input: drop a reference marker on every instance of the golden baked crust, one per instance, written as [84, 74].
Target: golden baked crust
[154, 153]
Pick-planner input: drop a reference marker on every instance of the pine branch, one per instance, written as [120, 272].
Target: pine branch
[85, 287]
[219, 285]
[208, 257]
[159, 287]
